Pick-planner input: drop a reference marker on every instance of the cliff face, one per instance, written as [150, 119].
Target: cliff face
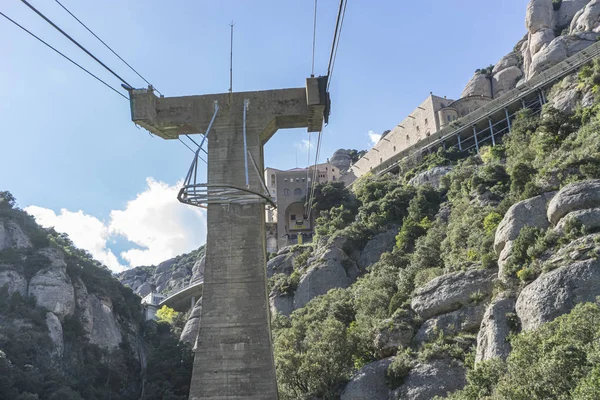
[166, 277]
[70, 330]
[555, 31]
[61, 304]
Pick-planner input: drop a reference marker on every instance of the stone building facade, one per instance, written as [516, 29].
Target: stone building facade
[289, 190]
[429, 117]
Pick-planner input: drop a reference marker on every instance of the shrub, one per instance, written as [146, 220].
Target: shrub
[424, 276]
[398, 369]
[491, 222]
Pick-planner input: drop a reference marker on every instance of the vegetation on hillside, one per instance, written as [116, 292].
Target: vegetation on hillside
[320, 346]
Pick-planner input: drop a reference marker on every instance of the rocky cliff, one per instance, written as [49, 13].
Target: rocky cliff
[166, 277]
[68, 328]
[555, 31]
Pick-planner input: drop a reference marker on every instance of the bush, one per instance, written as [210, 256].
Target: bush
[422, 277]
[398, 369]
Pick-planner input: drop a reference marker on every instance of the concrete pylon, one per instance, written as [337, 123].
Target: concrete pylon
[234, 358]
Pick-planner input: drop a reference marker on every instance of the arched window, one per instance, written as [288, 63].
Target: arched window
[286, 192]
[297, 192]
[272, 179]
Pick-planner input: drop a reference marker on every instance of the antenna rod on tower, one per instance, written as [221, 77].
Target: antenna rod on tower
[231, 61]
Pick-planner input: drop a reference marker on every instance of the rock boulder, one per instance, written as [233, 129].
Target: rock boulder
[430, 379]
[368, 382]
[492, 339]
[573, 197]
[556, 293]
[53, 290]
[13, 280]
[378, 245]
[452, 291]
[465, 319]
[189, 334]
[56, 334]
[105, 330]
[432, 177]
[12, 236]
[530, 212]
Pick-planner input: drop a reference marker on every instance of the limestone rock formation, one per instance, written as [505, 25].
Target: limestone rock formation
[432, 177]
[450, 292]
[341, 159]
[465, 319]
[394, 332]
[479, 85]
[506, 79]
[189, 334]
[368, 382]
[583, 248]
[167, 277]
[55, 331]
[492, 339]
[13, 280]
[105, 330]
[508, 61]
[378, 245]
[573, 197]
[282, 264]
[587, 18]
[281, 303]
[556, 293]
[588, 219]
[12, 236]
[198, 270]
[53, 290]
[430, 379]
[319, 280]
[530, 212]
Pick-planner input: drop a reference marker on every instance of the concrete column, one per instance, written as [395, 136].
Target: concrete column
[475, 137]
[508, 120]
[492, 132]
[459, 143]
[235, 334]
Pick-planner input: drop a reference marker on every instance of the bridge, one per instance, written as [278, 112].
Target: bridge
[184, 299]
[490, 122]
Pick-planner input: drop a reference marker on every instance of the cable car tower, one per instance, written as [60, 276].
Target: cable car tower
[234, 356]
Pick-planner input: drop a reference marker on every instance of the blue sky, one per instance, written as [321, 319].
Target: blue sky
[70, 149]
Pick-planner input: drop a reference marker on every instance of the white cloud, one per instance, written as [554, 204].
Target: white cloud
[304, 145]
[158, 223]
[86, 232]
[154, 221]
[374, 137]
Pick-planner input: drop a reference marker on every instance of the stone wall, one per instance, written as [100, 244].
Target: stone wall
[421, 122]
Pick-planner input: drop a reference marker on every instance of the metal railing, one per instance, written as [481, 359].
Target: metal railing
[500, 104]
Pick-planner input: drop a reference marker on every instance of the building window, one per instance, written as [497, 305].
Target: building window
[394, 148]
[272, 179]
[286, 192]
[334, 178]
[418, 129]
[449, 118]
[297, 179]
[428, 133]
[407, 138]
[380, 160]
[426, 121]
[297, 192]
[303, 179]
[285, 179]
[293, 217]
